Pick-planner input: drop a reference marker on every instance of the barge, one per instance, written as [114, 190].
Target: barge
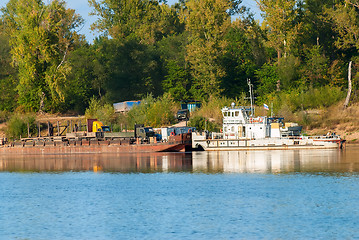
[59, 145]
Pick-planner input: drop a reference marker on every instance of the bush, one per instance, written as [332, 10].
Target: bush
[303, 99]
[3, 116]
[212, 108]
[202, 123]
[17, 126]
[101, 111]
[153, 112]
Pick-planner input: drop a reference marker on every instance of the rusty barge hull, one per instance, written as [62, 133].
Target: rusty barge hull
[92, 149]
[179, 143]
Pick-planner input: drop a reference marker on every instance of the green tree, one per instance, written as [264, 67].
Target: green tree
[41, 36]
[243, 54]
[267, 77]
[207, 23]
[146, 20]
[345, 16]
[316, 67]
[8, 75]
[177, 82]
[279, 19]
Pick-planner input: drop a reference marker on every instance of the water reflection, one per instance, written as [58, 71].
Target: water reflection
[276, 161]
[125, 163]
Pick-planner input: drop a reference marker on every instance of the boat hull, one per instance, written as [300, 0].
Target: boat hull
[266, 144]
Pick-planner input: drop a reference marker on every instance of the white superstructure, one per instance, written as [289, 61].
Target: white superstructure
[241, 130]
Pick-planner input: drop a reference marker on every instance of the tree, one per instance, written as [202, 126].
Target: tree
[41, 36]
[177, 82]
[207, 23]
[345, 16]
[316, 66]
[146, 20]
[244, 53]
[8, 78]
[279, 18]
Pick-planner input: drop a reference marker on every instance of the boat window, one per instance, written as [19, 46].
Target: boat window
[232, 114]
[237, 113]
[225, 114]
[225, 129]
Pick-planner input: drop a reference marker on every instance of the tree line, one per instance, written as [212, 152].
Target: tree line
[194, 49]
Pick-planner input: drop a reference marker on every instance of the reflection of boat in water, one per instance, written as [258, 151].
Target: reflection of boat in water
[272, 161]
[102, 162]
[242, 131]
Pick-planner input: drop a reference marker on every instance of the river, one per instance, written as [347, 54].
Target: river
[292, 194]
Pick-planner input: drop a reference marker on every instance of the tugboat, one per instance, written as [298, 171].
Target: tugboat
[242, 131]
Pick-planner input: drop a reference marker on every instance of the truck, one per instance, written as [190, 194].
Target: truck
[97, 130]
[93, 125]
[100, 131]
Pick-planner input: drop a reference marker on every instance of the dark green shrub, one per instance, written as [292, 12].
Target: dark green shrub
[17, 126]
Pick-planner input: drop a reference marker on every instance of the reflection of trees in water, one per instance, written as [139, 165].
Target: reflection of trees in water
[127, 162]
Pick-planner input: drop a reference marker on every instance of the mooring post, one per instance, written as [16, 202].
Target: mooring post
[28, 130]
[38, 125]
[71, 126]
[58, 129]
[48, 128]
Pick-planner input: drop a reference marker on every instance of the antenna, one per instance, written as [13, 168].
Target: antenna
[250, 94]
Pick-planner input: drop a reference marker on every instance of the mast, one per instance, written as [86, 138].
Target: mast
[250, 94]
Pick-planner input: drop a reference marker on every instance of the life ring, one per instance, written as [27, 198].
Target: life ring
[251, 120]
[260, 120]
[172, 134]
[189, 130]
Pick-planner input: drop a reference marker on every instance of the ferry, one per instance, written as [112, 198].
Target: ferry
[242, 131]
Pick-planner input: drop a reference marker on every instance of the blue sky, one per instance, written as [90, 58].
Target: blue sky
[82, 7]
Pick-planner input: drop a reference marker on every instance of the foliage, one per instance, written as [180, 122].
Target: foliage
[177, 82]
[145, 20]
[153, 112]
[238, 61]
[346, 23]
[282, 29]
[102, 111]
[288, 72]
[17, 126]
[202, 123]
[316, 67]
[207, 22]
[40, 37]
[211, 109]
[268, 78]
[312, 98]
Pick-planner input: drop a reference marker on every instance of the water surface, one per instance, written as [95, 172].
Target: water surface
[295, 194]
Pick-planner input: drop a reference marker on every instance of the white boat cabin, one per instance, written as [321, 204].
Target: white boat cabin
[239, 123]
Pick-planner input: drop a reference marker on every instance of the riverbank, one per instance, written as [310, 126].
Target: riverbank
[344, 122]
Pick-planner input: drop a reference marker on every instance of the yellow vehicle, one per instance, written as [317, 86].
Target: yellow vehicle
[97, 126]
